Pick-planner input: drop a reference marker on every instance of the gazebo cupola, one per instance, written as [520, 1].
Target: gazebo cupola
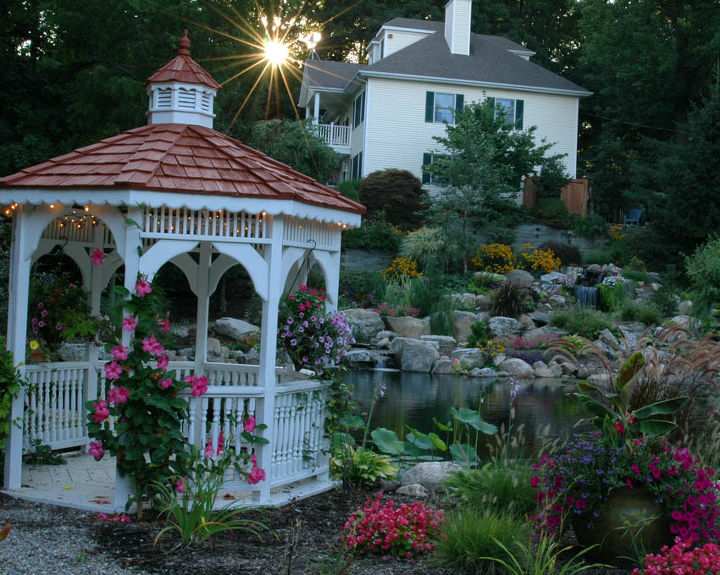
[182, 92]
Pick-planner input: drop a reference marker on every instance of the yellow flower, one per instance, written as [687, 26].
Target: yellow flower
[34, 344]
[401, 269]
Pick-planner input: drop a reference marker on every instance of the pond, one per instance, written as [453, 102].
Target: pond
[544, 407]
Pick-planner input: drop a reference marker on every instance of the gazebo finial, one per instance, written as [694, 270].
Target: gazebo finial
[184, 44]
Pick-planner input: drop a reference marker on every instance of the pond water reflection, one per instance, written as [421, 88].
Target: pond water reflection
[414, 399]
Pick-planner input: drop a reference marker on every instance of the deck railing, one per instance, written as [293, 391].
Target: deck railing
[334, 135]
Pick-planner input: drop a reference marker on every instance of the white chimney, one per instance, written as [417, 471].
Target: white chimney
[457, 26]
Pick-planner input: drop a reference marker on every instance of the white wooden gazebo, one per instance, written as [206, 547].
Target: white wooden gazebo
[177, 191]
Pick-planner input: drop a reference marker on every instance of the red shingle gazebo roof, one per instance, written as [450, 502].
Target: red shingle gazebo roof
[184, 69]
[181, 159]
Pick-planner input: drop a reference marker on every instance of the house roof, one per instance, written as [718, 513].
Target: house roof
[493, 62]
[183, 69]
[331, 75]
[177, 158]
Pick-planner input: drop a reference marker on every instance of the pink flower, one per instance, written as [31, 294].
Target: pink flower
[163, 362]
[113, 370]
[209, 451]
[249, 424]
[96, 449]
[152, 345]
[118, 395]
[165, 325]
[180, 485]
[129, 323]
[97, 257]
[165, 383]
[198, 384]
[119, 353]
[256, 474]
[143, 288]
[101, 411]
[221, 442]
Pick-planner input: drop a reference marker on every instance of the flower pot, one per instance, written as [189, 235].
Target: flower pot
[634, 524]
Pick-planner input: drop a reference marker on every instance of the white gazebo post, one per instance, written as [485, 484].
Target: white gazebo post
[19, 284]
[131, 242]
[203, 307]
[268, 346]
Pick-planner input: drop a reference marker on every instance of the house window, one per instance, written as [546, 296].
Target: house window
[511, 110]
[441, 107]
[356, 169]
[427, 177]
[359, 110]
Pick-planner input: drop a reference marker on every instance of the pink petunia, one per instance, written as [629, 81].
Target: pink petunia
[96, 449]
[129, 323]
[165, 383]
[143, 288]
[165, 325]
[118, 395]
[113, 370]
[97, 257]
[163, 362]
[119, 353]
[152, 345]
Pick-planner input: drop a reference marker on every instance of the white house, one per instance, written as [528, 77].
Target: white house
[384, 114]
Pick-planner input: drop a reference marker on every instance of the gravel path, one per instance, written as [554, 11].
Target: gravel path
[48, 540]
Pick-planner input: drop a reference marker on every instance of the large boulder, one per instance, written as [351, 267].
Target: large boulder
[471, 357]
[517, 367]
[520, 278]
[412, 327]
[414, 354]
[464, 300]
[430, 474]
[234, 328]
[446, 344]
[544, 370]
[365, 324]
[461, 322]
[504, 326]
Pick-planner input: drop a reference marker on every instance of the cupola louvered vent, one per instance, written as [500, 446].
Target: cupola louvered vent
[186, 98]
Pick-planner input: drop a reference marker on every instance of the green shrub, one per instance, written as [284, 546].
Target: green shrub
[612, 297]
[373, 234]
[479, 334]
[484, 282]
[567, 253]
[349, 189]
[495, 487]
[429, 247]
[600, 256]
[441, 317]
[703, 271]
[361, 289]
[472, 535]
[636, 275]
[552, 212]
[644, 312]
[396, 193]
[508, 300]
[584, 322]
[10, 384]
[590, 226]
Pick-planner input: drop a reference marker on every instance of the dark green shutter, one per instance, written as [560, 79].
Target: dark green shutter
[362, 107]
[429, 106]
[519, 108]
[427, 160]
[459, 99]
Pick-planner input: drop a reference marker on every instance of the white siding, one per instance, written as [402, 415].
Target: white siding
[457, 26]
[397, 134]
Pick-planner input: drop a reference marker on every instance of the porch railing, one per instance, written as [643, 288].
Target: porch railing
[334, 135]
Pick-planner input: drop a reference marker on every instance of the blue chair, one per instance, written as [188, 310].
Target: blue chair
[635, 216]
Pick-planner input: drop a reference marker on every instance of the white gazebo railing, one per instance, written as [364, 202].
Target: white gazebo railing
[56, 416]
[55, 404]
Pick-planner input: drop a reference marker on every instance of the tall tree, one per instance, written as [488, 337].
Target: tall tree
[481, 165]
